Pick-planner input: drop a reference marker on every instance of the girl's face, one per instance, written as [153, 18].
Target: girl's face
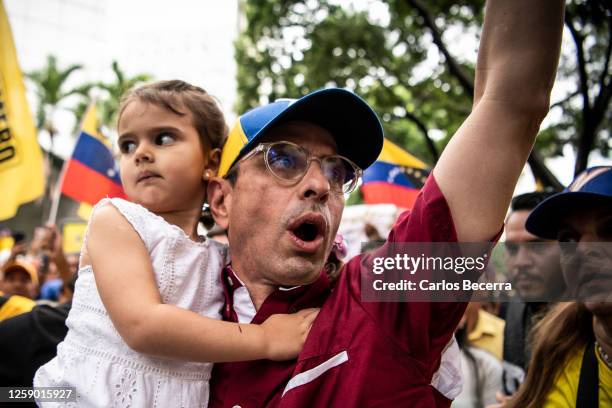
[162, 158]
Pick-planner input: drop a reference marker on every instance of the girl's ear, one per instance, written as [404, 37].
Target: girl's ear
[219, 193]
[214, 158]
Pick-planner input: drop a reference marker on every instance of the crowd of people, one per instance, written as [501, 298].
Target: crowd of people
[35, 271]
[277, 308]
[536, 347]
[37, 280]
[499, 345]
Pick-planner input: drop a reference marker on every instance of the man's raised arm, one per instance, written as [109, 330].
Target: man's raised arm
[515, 72]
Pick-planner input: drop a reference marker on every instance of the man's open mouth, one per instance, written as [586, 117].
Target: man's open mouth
[308, 231]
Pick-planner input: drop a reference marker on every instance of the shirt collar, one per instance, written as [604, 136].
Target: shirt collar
[282, 300]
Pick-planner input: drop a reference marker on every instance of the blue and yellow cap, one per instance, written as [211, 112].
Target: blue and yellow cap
[350, 120]
[591, 187]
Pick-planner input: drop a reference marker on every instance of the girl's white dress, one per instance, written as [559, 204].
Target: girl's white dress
[94, 358]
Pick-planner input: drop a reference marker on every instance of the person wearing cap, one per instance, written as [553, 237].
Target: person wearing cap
[286, 167]
[534, 267]
[571, 362]
[19, 278]
[17, 288]
[30, 340]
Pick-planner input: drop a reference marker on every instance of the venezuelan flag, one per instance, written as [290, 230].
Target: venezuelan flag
[395, 178]
[91, 173]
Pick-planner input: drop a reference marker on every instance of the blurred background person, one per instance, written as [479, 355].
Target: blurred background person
[375, 240]
[484, 330]
[571, 363]
[535, 270]
[19, 278]
[47, 253]
[481, 370]
[30, 340]
[18, 285]
[34, 272]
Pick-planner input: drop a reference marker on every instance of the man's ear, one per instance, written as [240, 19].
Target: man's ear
[219, 193]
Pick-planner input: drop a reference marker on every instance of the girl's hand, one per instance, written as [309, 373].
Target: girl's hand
[501, 399]
[285, 334]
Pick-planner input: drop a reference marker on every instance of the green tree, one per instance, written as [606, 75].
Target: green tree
[50, 84]
[589, 119]
[405, 61]
[78, 110]
[112, 92]
[51, 89]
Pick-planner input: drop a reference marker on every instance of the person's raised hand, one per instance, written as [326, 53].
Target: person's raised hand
[56, 253]
[54, 242]
[20, 248]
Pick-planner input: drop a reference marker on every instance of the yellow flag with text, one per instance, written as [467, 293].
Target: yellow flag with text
[21, 161]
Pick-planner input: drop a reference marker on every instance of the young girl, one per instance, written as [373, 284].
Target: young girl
[146, 279]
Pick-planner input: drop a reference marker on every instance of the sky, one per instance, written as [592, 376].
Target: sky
[186, 39]
[190, 40]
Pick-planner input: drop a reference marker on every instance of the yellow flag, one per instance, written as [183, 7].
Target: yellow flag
[73, 235]
[84, 211]
[21, 162]
[90, 123]
[392, 153]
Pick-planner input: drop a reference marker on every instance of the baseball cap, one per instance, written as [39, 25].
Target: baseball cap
[22, 266]
[350, 120]
[591, 187]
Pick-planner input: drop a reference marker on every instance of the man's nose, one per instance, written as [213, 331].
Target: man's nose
[522, 257]
[315, 184]
[18, 284]
[588, 243]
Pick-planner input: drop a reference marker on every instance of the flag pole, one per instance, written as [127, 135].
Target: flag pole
[57, 194]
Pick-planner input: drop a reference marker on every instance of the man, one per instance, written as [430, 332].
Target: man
[30, 340]
[580, 218]
[282, 200]
[535, 268]
[19, 278]
[18, 284]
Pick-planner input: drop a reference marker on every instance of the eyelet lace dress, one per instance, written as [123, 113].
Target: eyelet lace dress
[94, 358]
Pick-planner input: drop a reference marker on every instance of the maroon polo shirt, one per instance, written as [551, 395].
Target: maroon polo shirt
[358, 354]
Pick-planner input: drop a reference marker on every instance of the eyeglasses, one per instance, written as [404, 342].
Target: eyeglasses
[290, 162]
